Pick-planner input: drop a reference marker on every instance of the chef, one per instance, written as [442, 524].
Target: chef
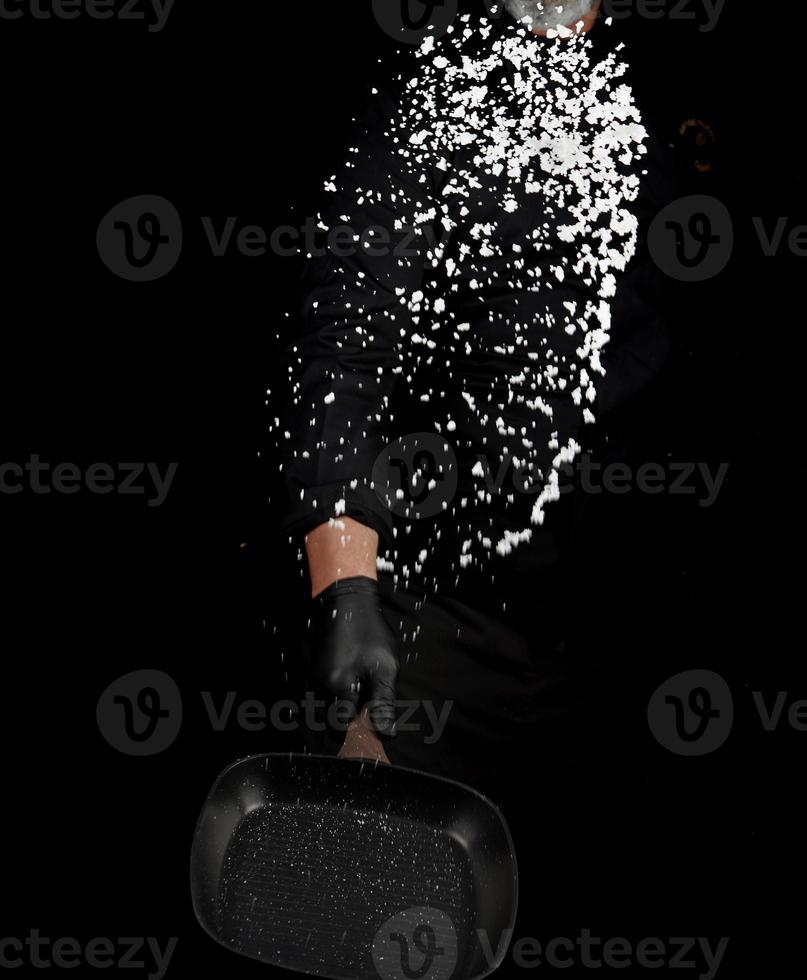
[512, 163]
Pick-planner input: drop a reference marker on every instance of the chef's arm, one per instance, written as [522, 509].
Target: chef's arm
[338, 549]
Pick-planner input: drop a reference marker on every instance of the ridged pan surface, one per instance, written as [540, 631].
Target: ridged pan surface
[345, 869]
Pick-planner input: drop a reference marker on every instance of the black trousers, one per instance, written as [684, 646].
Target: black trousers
[491, 691]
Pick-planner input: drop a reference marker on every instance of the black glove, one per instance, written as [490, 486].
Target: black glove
[354, 650]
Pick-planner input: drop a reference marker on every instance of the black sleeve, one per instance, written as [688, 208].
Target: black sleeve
[354, 324]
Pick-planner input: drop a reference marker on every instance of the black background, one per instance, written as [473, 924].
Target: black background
[236, 109]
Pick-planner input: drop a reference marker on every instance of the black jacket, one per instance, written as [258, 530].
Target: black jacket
[497, 194]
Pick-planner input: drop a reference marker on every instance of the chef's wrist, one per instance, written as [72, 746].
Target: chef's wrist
[340, 549]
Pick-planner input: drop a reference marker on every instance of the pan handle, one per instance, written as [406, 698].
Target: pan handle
[362, 742]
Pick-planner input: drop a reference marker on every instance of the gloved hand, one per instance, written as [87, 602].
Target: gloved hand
[354, 650]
